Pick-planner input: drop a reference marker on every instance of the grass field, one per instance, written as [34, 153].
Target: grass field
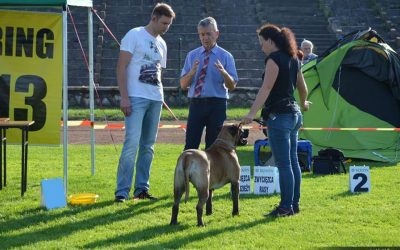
[330, 215]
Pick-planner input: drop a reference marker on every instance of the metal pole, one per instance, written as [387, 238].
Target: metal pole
[65, 100]
[91, 89]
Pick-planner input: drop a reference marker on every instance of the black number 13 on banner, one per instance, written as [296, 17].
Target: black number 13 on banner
[35, 100]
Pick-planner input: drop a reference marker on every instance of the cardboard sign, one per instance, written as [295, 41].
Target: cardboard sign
[265, 180]
[245, 180]
[360, 179]
[52, 194]
[277, 187]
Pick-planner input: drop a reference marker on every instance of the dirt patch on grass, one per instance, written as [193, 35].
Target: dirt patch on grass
[81, 135]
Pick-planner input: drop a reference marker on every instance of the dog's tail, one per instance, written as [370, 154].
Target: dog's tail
[186, 175]
[182, 178]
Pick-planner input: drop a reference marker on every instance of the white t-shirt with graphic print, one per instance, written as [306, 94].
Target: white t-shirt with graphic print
[149, 54]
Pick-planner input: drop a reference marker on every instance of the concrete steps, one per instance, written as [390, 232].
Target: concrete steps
[237, 20]
[303, 17]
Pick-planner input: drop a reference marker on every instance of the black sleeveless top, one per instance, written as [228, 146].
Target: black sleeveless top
[281, 99]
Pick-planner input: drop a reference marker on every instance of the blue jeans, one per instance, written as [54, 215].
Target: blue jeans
[283, 133]
[141, 128]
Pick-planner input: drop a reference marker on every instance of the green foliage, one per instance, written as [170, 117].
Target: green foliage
[330, 215]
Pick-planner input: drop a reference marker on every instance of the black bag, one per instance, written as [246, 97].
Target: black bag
[329, 161]
[304, 162]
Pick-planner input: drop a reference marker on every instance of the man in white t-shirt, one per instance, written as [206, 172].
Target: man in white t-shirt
[142, 54]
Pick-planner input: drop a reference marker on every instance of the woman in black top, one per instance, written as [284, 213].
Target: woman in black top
[280, 110]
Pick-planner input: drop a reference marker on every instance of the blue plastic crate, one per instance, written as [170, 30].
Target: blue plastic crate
[262, 152]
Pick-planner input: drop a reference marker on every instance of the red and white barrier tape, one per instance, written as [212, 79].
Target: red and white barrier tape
[87, 123]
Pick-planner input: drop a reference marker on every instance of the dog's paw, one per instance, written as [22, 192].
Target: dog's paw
[173, 223]
[209, 212]
[201, 225]
[235, 213]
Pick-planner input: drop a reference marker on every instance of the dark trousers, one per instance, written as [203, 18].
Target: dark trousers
[204, 112]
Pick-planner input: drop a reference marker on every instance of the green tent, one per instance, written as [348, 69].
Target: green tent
[355, 84]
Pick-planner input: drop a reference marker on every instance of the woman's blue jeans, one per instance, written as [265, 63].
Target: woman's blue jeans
[141, 128]
[283, 135]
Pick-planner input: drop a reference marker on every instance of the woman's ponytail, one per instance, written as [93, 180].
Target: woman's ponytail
[289, 42]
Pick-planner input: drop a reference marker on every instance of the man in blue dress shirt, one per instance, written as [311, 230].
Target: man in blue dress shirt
[209, 72]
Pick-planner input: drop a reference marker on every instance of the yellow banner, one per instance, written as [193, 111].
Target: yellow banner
[31, 73]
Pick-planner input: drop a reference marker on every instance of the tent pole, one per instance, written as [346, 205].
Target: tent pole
[65, 100]
[91, 88]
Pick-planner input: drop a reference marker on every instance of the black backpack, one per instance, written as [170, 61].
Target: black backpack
[329, 161]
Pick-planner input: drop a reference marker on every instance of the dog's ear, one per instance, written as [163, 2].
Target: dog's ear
[233, 130]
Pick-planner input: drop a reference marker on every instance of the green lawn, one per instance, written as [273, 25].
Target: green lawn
[330, 215]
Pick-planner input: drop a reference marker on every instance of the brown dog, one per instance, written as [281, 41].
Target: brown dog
[208, 170]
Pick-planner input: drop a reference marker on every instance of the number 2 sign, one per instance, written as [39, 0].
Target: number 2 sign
[31, 72]
[360, 180]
